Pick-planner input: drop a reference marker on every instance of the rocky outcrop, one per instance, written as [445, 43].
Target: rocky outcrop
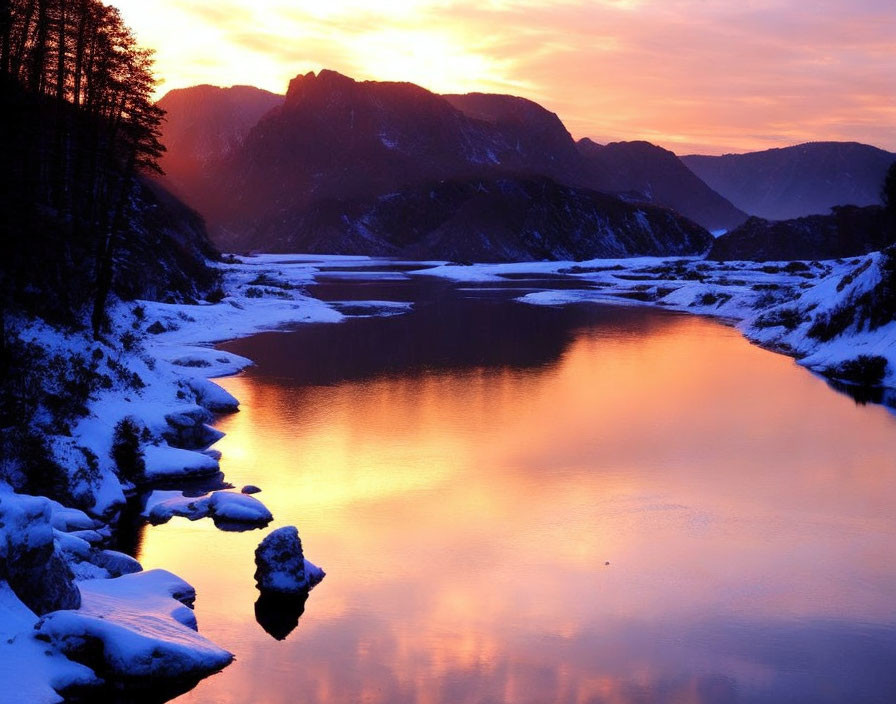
[29, 562]
[806, 179]
[848, 231]
[281, 564]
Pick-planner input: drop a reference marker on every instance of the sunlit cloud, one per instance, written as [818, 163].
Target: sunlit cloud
[692, 75]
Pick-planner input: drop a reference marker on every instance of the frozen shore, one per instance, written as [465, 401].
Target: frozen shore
[814, 311]
[160, 365]
[155, 370]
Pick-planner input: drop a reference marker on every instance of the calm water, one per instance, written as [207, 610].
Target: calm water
[465, 473]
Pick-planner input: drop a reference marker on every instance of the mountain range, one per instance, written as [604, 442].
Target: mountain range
[366, 167]
[320, 168]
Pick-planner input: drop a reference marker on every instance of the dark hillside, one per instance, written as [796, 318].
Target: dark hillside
[848, 231]
[656, 175]
[506, 219]
[79, 139]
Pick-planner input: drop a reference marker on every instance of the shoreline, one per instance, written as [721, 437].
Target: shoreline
[178, 361]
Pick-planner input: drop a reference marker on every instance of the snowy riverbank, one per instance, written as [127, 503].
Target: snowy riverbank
[159, 361]
[153, 371]
[821, 313]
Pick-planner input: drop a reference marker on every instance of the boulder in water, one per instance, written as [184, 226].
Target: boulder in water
[281, 564]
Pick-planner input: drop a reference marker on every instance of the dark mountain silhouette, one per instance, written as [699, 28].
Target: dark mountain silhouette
[335, 137]
[204, 124]
[640, 171]
[324, 170]
[647, 172]
[847, 232]
[504, 219]
[805, 179]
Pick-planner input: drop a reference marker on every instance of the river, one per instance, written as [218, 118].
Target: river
[517, 503]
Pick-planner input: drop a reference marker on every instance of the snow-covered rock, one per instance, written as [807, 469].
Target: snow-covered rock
[117, 564]
[139, 625]
[230, 506]
[224, 507]
[165, 463]
[89, 562]
[71, 519]
[28, 557]
[188, 428]
[211, 396]
[281, 564]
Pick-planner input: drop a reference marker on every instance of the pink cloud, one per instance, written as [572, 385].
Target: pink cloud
[692, 75]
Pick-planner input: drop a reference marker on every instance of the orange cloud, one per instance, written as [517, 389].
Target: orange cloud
[692, 75]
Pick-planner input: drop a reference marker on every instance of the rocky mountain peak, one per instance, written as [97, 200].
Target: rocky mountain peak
[310, 86]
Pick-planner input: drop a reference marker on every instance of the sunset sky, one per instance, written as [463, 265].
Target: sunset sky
[707, 76]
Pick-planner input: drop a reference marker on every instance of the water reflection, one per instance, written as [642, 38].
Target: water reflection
[865, 394]
[478, 332]
[464, 473]
[278, 614]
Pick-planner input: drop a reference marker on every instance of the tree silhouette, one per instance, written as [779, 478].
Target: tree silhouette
[82, 127]
[888, 196]
[888, 191]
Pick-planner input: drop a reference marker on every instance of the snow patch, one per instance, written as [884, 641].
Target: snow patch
[222, 506]
[143, 624]
[166, 463]
[36, 671]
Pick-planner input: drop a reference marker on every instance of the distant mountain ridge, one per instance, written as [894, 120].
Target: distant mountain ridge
[791, 182]
[204, 124]
[334, 145]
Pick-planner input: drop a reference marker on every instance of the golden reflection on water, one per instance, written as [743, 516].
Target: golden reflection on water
[465, 517]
